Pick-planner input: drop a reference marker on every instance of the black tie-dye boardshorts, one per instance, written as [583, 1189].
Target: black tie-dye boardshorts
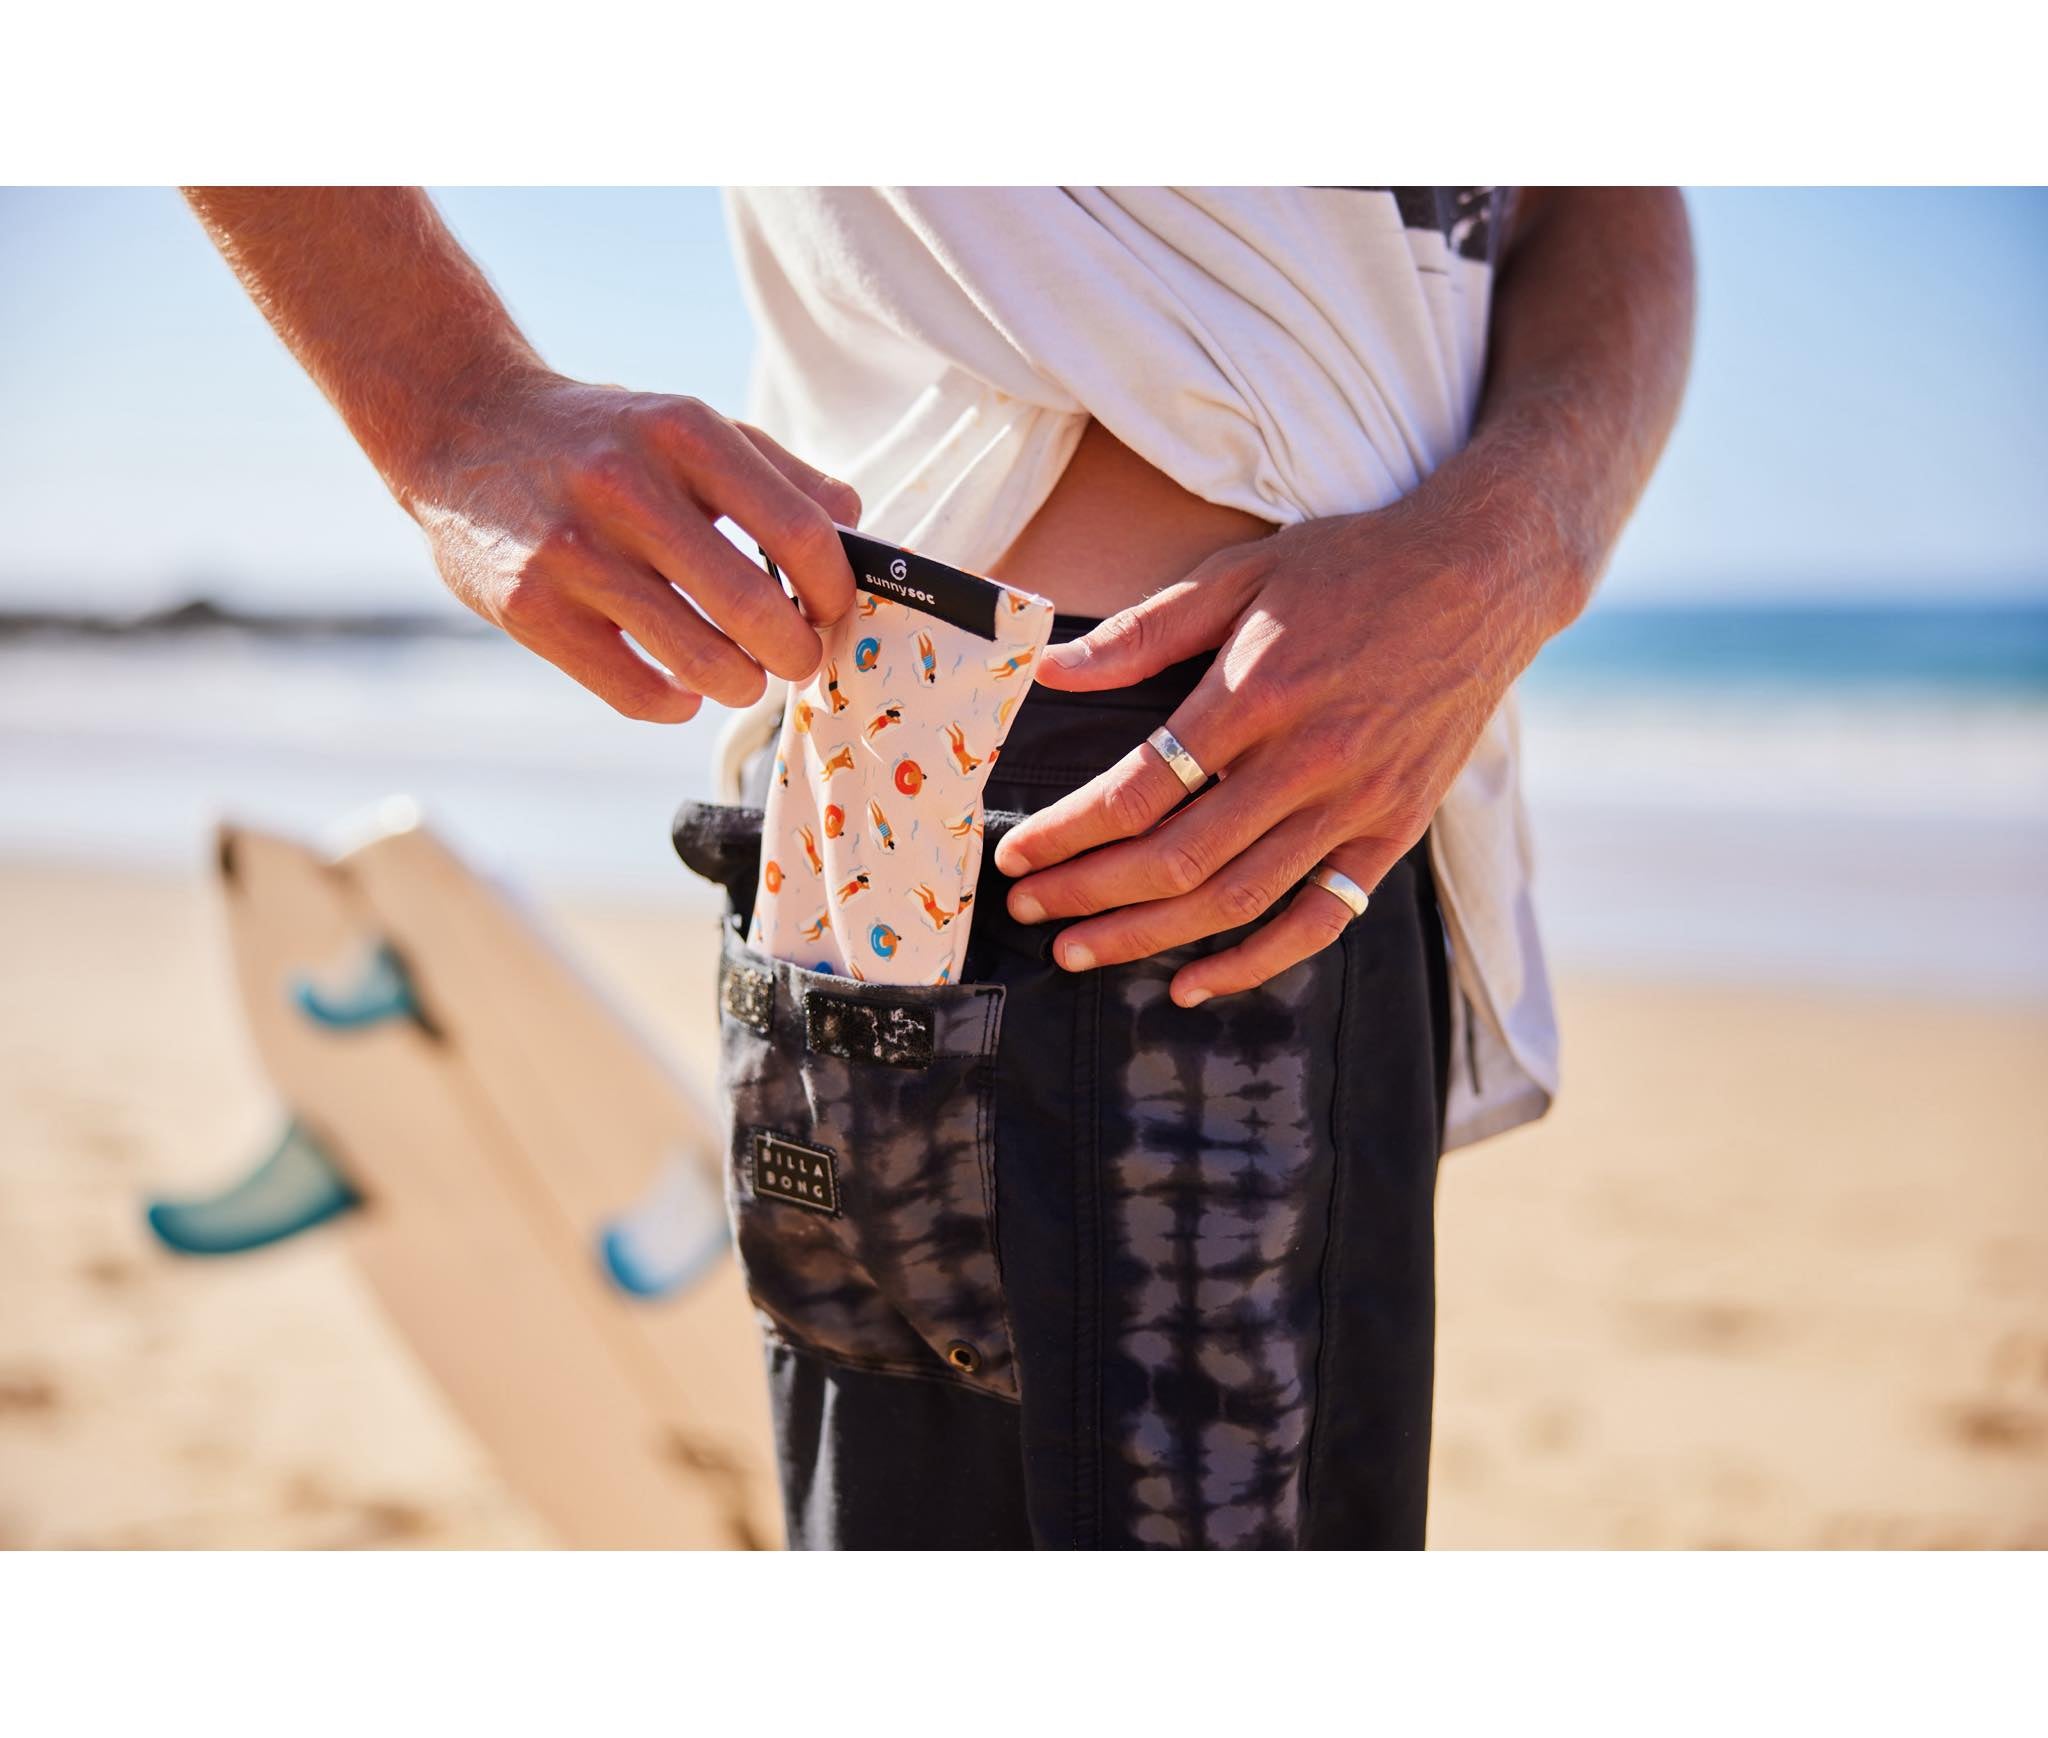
[1045, 1260]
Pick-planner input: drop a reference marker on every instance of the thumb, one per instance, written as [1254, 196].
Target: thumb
[1192, 615]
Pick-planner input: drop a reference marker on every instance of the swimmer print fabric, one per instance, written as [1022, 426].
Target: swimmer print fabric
[871, 842]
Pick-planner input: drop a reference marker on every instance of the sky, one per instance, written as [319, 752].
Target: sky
[1865, 417]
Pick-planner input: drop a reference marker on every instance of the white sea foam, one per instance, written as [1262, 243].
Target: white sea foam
[1896, 841]
[1853, 754]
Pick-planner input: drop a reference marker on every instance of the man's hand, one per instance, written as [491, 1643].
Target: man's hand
[1360, 657]
[581, 519]
[572, 515]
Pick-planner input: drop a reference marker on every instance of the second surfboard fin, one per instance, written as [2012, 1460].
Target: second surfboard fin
[670, 1237]
[295, 1188]
[381, 994]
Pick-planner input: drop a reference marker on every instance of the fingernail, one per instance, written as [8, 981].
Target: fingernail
[1192, 998]
[1010, 860]
[1070, 656]
[1076, 958]
[1025, 909]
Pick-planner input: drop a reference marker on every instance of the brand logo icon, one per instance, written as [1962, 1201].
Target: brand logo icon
[899, 569]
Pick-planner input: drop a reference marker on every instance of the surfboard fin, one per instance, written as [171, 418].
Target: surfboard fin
[295, 1188]
[384, 992]
[670, 1237]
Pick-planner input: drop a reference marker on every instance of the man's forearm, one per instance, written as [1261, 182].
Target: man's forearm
[379, 303]
[1591, 338]
[581, 519]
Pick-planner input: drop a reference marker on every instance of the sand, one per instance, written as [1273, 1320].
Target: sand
[1775, 1274]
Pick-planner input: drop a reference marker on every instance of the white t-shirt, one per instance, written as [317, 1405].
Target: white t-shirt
[1295, 353]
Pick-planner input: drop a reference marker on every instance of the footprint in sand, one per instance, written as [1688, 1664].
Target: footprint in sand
[1702, 1325]
[28, 1394]
[2009, 1417]
[1995, 1427]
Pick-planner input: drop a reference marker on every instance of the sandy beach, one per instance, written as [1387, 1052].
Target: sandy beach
[1775, 1274]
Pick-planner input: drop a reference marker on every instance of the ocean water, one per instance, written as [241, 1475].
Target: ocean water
[1825, 796]
[1982, 652]
[1832, 796]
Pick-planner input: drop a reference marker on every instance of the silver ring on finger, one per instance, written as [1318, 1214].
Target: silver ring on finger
[1337, 882]
[1185, 767]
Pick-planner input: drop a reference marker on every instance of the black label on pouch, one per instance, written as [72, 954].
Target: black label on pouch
[787, 1170]
[918, 582]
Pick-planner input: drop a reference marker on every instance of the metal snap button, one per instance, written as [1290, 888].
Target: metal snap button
[963, 1357]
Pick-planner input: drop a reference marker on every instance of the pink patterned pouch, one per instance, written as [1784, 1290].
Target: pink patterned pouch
[871, 843]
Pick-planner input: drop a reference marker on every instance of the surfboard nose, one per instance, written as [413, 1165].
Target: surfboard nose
[295, 1187]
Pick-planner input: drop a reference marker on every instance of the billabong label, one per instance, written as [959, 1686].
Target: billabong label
[787, 1170]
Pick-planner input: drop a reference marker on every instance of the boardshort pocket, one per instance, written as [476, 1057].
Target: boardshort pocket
[860, 1169]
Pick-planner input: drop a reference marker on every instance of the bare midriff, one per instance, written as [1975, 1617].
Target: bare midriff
[1115, 529]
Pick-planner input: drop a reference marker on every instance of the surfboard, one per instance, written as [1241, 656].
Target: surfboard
[532, 1194]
